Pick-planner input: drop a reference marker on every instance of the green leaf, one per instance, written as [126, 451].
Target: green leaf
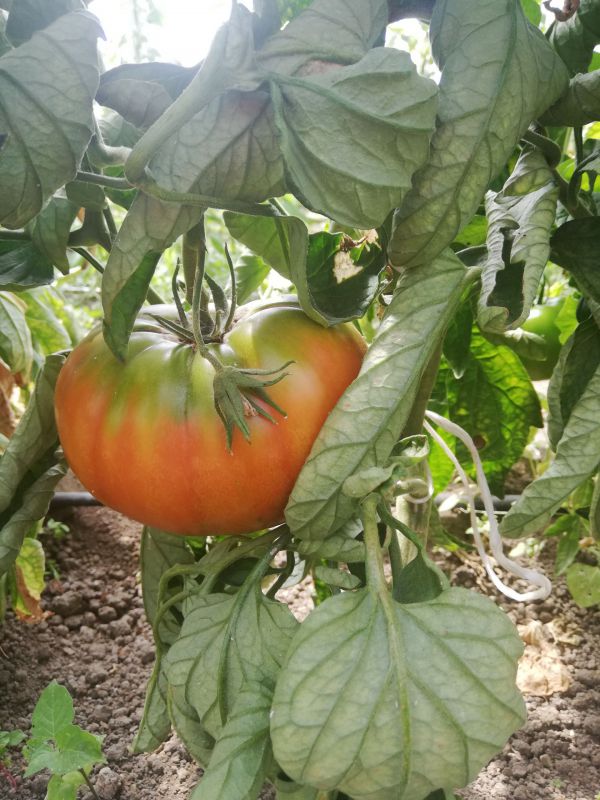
[457, 342]
[23, 266]
[159, 551]
[498, 74]
[579, 105]
[30, 566]
[64, 787]
[372, 692]
[329, 121]
[50, 230]
[225, 642]
[280, 241]
[288, 790]
[337, 282]
[577, 457]
[26, 17]
[155, 726]
[242, 754]
[15, 339]
[527, 207]
[86, 195]
[568, 544]
[48, 331]
[357, 433]
[574, 40]
[533, 12]
[342, 546]
[188, 726]
[576, 248]
[473, 234]
[47, 87]
[578, 361]
[250, 274]
[11, 738]
[149, 227]
[53, 712]
[336, 577]
[75, 749]
[420, 581]
[583, 581]
[496, 404]
[28, 468]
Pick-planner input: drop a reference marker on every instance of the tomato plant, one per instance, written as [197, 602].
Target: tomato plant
[424, 212]
[145, 437]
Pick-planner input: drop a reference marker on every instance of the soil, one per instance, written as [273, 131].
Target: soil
[98, 644]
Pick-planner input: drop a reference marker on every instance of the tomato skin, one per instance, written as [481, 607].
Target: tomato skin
[542, 322]
[144, 437]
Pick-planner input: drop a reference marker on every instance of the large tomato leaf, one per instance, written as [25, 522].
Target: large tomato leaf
[576, 248]
[524, 211]
[498, 74]
[149, 227]
[225, 642]
[497, 405]
[577, 458]
[360, 433]
[30, 467]
[242, 756]
[187, 724]
[579, 105]
[578, 361]
[369, 698]
[353, 137]
[47, 88]
[575, 38]
[155, 725]
[48, 321]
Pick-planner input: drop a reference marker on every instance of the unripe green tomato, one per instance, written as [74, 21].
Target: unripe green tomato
[542, 321]
[143, 435]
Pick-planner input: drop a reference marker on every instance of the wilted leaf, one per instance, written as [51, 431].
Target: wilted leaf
[498, 74]
[525, 211]
[47, 87]
[30, 565]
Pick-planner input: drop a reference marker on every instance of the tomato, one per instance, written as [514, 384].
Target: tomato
[542, 321]
[144, 437]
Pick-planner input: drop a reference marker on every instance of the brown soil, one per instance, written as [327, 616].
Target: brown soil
[99, 645]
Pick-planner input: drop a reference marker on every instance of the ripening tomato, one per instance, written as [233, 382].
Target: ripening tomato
[144, 436]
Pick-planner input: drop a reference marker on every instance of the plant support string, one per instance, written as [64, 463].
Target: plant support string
[534, 577]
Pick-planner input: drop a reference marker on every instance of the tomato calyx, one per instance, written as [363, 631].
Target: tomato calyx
[235, 390]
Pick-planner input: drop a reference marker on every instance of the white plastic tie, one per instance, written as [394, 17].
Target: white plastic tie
[532, 576]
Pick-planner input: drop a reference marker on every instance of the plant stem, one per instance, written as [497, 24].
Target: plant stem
[196, 320]
[152, 297]
[192, 251]
[374, 560]
[90, 785]
[104, 180]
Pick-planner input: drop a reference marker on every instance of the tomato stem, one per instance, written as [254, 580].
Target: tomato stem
[374, 560]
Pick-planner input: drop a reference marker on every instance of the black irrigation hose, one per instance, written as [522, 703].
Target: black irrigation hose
[67, 499]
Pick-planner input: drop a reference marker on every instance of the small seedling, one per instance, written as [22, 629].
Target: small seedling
[62, 747]
[8, 739]
[58, 530]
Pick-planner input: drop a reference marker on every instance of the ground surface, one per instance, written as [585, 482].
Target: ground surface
[99, 645]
